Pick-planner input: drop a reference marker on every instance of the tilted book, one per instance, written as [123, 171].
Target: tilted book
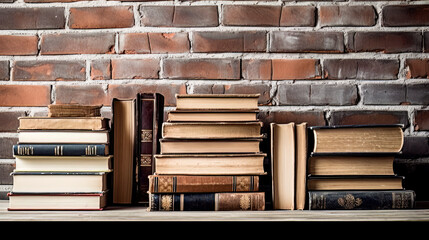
[61, 149]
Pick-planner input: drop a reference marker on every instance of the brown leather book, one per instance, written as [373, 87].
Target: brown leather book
[74, 110]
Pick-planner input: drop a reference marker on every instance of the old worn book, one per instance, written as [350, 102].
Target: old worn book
[210, 164]
[63, 136]
[358, 138]
[351, 164]
[355, 182]
[217, 101]
[283, 165]
[74, 110]
[63, 163]
[61, 149]
[197, 183]
[301, 165]
[57, 201]
[206, 130]
[210, 145]
[253, 201]
[58, 123]
[361, 200]
[150, 115]
[124, 159]
[58, 182]
[212, 115]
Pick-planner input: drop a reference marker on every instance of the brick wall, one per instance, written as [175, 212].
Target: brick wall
[324, 62]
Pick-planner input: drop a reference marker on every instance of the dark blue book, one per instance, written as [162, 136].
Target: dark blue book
[61, 150]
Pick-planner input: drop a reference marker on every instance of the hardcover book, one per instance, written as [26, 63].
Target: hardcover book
[212, 115]
[254, 201]
[217, 101]
[58, 123]
[179, 146]
[355, 182]
[61, 149]
[63, 136]
[301, 165]
[63, 163]
[74, 110]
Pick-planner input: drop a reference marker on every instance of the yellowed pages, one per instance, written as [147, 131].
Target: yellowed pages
[301, 164]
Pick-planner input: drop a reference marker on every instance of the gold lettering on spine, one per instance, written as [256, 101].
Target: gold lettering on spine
[167, 202]
[146, 135]
[25, 150]
[91, 150]
[182, 202]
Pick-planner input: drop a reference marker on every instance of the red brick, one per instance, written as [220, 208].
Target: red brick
[169, 42]
[101, 17]
[101, 69]
[298, 16]
[362, 69]
[49, 70]
[157, 16]
[32, 18]
[18, 45]
[320, 42]
[25, 95]
[405, 15]
[134, 43]
[251, 15]
[256, 69]
[77, 43]
[4, 70]
[179, 16]
[347, 16]
[10, 121]
[201, 68]
[135, 68]
[229, 41]
[81, 94]
[291, 69]
[368, 117]
[417, 68]
[421, 120]
[386, 42]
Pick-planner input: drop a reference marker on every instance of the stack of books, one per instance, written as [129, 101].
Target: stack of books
[351, 167]
[210, 157]
[62, 163]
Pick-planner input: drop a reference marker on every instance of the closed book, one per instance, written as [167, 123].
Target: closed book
[63, 136]
[204, 115]
[361, 200]
[210, 145]
[301, 165]
[63, 163]
[74, 110]
[63, 123]
[61, 149]
[195, 184]
[355, 182]
[217, 101]
[254, 201]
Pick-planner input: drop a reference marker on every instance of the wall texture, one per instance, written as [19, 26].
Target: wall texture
[324, 62]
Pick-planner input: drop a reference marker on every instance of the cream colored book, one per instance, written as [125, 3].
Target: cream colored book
[63, 163]
[211, 116]
[63, 136]
[210, 146]
[217, 101]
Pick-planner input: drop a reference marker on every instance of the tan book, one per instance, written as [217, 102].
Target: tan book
[63, 136]
[74, 110]
[211, 116]
[205, 130]
[198, 183]
[217, 101]
[210, 145]
[371, 138]
[355, 183]
[301, 165]
[283, 165]
[63, 123]
[63, 163]
[210, 164]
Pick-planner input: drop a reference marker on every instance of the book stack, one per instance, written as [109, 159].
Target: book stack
[62, 163]
[210, 157]
[351, 167]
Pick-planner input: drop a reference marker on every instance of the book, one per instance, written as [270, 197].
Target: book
[217, 101]
[253, 201]
[283, 165]
[178, 146]
[61, 123]
[205, 130]
[74, 110]
[59, 182]
[57, 201]
[63, 163]
[61, 149]
[358, 138]
[150, 115]
[355, 182]
[63, 136]
[199, 184]
[124, 155]
[210, 164]
[212, 115]
[301, 165]
[361, 200]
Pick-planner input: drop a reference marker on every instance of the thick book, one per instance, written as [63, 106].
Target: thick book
[199, 184]
[301, 151]
[358, 138]
[63, 136]
[124, 155]
[214, 130]
[63, 163]
[61, 149]
[355, 182]
[179, 146]
[150, 115]
[253, 201]
[217, 101]
[57, 201]
[63, 123]
[210, 164]
[74, 110]
[212, 115]
[57, 182]
[361, 200]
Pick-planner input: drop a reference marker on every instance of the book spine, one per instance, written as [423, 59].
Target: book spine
[361, 200]
[207, 202]
[60, 150]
